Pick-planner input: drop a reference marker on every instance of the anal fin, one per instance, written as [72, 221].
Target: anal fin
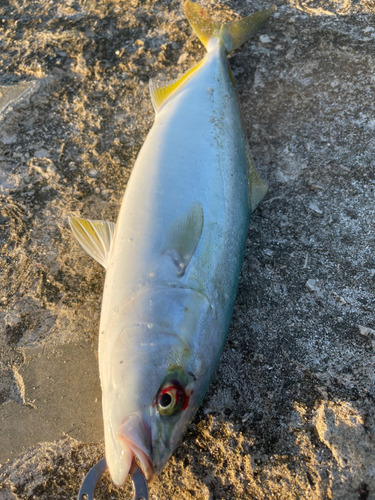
[257, 187]
[182, 237]
[95, 236]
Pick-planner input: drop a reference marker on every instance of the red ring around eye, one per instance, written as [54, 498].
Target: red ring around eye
[171, 388]
[178, 394]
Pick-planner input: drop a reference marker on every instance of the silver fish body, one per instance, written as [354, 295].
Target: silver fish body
[172, 266]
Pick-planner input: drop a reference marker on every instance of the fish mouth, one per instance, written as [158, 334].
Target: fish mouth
[135, 438]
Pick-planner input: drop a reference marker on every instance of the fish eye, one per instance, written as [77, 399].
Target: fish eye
[170, 399]
[165, 400]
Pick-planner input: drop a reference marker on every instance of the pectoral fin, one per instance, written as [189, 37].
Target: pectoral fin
[95, 236]
[183, 236]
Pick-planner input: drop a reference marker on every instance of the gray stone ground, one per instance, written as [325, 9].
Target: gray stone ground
[290, 412]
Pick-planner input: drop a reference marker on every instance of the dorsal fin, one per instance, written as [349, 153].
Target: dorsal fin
[95, 236]
[160, 91]
[183, 236]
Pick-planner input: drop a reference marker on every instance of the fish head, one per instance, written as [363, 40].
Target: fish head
[149, 397]
[177, 399]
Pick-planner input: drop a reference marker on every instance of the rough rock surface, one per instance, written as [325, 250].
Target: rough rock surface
[290, 412]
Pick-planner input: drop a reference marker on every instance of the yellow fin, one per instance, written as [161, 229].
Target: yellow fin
[95, 236]
[161, 91]
[257, 187]
[238, 32]
[204, 27]
[232, 34]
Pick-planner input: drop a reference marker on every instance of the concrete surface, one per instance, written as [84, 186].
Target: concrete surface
[290, 412]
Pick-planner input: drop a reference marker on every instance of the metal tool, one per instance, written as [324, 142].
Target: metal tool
[86, 491]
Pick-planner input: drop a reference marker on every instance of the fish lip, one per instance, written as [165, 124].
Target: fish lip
[142, 453]
[144, 461]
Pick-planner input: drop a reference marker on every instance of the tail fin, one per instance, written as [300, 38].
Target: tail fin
[232, 34]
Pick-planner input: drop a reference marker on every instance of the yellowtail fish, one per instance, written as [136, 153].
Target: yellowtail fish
[174, 256]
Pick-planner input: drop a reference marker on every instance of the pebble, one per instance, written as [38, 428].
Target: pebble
[265, 39]
[182, 58]
[365, 330]
[93, 172]
[280, 176]
[317, 187]
[41, 153]
[339, 298]
[314, 207]
[311, 285]
[8, 139]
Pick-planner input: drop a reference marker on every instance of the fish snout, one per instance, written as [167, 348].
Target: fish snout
[135, 435]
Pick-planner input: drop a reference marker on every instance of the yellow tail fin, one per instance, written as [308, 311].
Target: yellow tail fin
[232, 34]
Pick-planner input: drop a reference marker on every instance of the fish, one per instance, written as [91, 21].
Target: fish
[174, 256]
